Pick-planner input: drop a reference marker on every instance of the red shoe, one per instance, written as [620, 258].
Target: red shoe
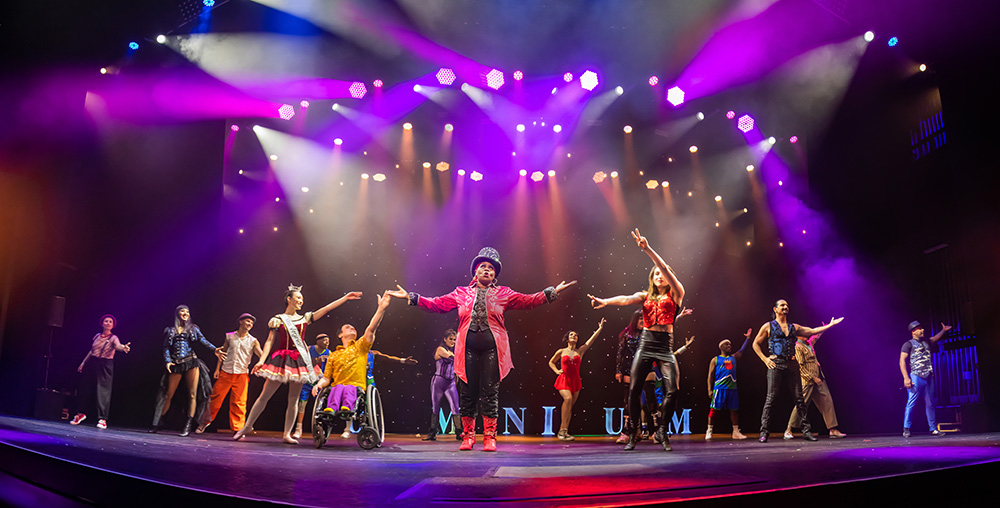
[80, 417]
[489, 434]
[468, 433]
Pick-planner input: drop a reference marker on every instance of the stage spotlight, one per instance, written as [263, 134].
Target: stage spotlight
[700, 115]
[748, 243]
[286, 111]
[772, 140]
[277, 200]
[693, 148]
[311, 210]
[273, 157]
[523, 172]
[445, 76]
[407, 126]
[162, 39]
[893, 41]
[461, 172]
[379, 177]
[377, 83]
[665, 184]
[652, 184]
[427, 165]
[241, 231]
[922, 67]
[335, 106]
[569, 155]
[716, 224]
[338, 141]
[443, 166]
[653, 80]
[235, 128]
[744, 210]
[568, 77]
[718, 198]
[803, 231]
[670, 159]
[675, 96]
[781, 183]
[275, 229]
[241, 171]
[133, 45]
[104, 70]
[537, 176]
[304, 104]
[589, 80]
[209, 3]
[793, 139]
[518, 75]
[551, 173]
[730, 114]
[614, 174]
[494, 79]
[599, 176]
[619, 90]
[745, 123]
[417, 88]
[476, 176]
[513, 154]
[449, 127]
[358, 89]
[750, 168]
[557, 128]
[781, 244]
[869, 36]
[690, 194]
[305, 189]
[364, 176]
[627, 129]
[520, 127]
[256, 128]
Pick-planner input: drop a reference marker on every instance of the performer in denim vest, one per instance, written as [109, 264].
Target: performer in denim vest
[919, 381]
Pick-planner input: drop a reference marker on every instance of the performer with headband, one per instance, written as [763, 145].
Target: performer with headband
[482, 352]
[659, 309]
[286, 359]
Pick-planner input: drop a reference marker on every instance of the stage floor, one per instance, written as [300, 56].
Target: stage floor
[109, 467]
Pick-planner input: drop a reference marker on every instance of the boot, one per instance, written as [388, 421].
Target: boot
[187, 427]
[633, 438]
[489, 434]
[737, 434]
[432, 431]
[708, 433]
[455, 425]
[154, 429]
[468, 433]
[661, 437]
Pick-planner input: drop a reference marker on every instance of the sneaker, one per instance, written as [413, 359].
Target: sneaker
[936, 432]
[789, 435]
[906, 432]
[708, 433]
[78, 418]
[102, 423]
[327, 409]
[738, 435]
[346, 434]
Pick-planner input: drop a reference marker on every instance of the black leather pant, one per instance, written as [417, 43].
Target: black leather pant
[482, 369]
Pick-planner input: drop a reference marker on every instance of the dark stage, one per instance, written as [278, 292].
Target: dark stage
[80, 466]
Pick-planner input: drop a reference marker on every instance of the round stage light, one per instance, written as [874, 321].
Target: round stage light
[305, 189]
[417, 88]
[793, 139]
[364, 176]
[869, 36]
[379, 177]
[427, 165]
[235, 128]
[449, 127]
[700, 115]
[619, 90]
[104, 70]
[162, 39]
[133, 45]
[750, 168]
[627, 129]
[208, 3]
[568, 77]
[518, 75]
[461, 172]
[552, 173]
[772, 140]
[523, 172]
[665, 184]
[653, 80]
[557, 128]
[614, 174]
[407, 126]
[338, 141]
[693, 148]
[304, 104]
[520, 127]
[893, 41]
[273, 157]
[335, 106]
[377, 83]
[718, 198]
[923, 67]
[730, 114]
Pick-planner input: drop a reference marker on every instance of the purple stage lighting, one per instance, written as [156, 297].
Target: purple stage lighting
[675, 96]
[476, 176]
[793, 139]
[589, 80]
[745, 123]
[286, 111]
[537, 176]
[653, 80]
[568, 77]
[518, 75]
[494, 79]
[304, 104]
[730, 114]
[235, 128]
[557, 128]
[520, 127]
[522, 172]
[358, 90]
[445, 76]
[377, 83]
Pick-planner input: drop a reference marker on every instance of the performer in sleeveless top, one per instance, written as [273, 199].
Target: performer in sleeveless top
[443, 385]
[722, 389]
[659, 308]
[568, 382]
[482, 352]
[782, 368]
[286, 359]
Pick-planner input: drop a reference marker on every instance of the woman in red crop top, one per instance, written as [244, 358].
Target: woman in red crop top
[659, 307]
[569, 383]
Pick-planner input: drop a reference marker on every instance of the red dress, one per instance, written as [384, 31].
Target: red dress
[570, 378]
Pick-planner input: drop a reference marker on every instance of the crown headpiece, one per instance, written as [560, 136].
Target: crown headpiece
[293, 287]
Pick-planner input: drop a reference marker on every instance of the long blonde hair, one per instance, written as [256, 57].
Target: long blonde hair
[652, 292]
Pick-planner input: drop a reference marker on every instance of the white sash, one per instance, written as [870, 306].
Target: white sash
[300, 345]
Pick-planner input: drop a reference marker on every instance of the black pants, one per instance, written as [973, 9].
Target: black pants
[784, 376]
[654, 347]
[97, 378]
[482, 369]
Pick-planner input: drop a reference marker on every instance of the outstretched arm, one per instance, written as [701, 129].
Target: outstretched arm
[757, 341]
[683, 349]
[620, 301]
[383, 303]
[804, 331]
[84, 362]
[405, 361]
[586, 345]
[746, 344]
[938, 335]
[318, 313]
[668, 273]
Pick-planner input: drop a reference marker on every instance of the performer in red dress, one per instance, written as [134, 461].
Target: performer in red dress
[569, 383]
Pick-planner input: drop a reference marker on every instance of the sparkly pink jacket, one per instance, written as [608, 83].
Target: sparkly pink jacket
[498, 299]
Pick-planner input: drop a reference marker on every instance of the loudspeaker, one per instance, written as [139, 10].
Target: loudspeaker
[57, 309]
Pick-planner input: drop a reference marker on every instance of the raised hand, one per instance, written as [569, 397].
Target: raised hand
[749, 331]
[353, 295]
[601, 324]
[383, 301]
[689, 341]
[127, 347]
[835, 321]
[596, 302]
[640, 240]
[563, 285]
[398, 293]
[945, 328]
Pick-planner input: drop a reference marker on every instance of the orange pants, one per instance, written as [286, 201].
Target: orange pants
[237, 385]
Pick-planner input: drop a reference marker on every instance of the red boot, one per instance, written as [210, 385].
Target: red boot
[468, 433]
[489, 434]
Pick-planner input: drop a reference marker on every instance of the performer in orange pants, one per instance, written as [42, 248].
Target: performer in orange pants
[232, 376]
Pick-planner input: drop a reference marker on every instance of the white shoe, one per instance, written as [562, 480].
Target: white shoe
[738, 435]
[80, 417]
[102, 423]
[298, 431]
[708, 433]
[788, 435]
[346, 434]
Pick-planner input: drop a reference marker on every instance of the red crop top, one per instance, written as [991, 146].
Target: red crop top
[658, 312]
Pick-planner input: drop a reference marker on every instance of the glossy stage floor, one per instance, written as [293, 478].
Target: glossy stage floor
[54, 464]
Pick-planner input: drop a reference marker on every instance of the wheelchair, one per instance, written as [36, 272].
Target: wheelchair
[368, 413]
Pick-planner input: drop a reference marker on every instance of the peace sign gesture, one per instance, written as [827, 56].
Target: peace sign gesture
[640, 240]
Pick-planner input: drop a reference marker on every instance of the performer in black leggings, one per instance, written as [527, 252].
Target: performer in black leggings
[659, 308]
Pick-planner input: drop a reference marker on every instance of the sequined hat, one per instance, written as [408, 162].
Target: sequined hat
[487, 254]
